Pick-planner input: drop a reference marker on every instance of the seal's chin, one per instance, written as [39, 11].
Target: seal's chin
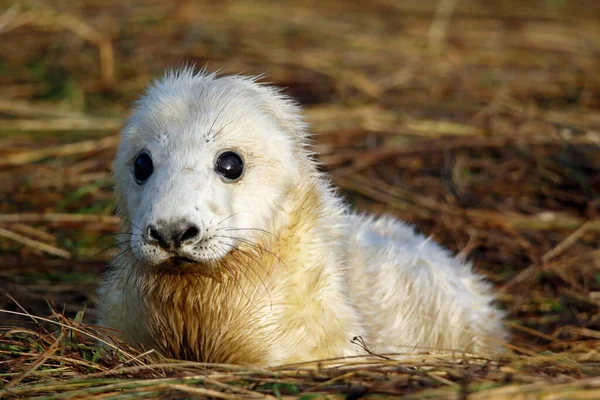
[184, 266]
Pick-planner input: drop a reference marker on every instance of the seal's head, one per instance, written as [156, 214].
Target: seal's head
[205, 166]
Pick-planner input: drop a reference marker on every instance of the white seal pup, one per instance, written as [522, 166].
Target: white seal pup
[241, 252]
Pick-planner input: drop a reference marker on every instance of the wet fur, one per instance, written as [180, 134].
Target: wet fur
[300, 282]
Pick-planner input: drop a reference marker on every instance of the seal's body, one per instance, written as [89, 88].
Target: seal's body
[241, 252]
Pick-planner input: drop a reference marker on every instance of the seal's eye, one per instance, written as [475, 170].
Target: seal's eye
[142, 168]
[230, 165]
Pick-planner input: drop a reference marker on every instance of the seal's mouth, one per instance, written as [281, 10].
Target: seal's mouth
[170, 253]
[184, 266]
[184, 260]
[179, 263]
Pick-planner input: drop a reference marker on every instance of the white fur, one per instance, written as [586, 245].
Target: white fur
[320, 276]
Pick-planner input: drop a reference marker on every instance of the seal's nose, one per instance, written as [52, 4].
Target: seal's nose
[172, 235]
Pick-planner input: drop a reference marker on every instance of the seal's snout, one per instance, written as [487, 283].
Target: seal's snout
[173, 235]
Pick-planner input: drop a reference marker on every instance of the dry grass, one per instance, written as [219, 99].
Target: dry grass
[67, 364]
[477, 121]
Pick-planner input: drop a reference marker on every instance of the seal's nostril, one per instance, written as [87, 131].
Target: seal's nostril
[154, 235]
[190, 234]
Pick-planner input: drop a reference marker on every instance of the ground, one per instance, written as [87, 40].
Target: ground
[477, 121]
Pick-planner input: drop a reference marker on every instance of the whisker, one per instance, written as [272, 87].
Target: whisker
[248, 229]
[130, 248]
[247, 277]
[248, 254]
[216, 119]
[134, 225]
[236, 118]
[117, 262]
[133, 267]
[211, 220]
[155, 135]
[117, 258]
[235, 281]
[110, 247]
[234, 214]
[251, 243]
[114, 234]
[247, 265]
[160, 126]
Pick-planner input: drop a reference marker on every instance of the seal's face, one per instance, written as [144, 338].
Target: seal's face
[204, 167]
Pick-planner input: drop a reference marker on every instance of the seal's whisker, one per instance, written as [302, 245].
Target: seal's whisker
[129, 248]
[251, 243]
[227, 103]
[248, 229]
[114, 234]
[117, 262]
[211, 220]
[216, 119]
[248, 254]
[232, 215]
[160, 126]
[233, 278]
[117, 258]
[112, 246]
[130, 273]
[246, 264]
[237, 261]
[154, 135]
[233, 271]
[235, 119]
[132, 224]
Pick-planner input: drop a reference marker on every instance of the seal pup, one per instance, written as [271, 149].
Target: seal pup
[239, 250]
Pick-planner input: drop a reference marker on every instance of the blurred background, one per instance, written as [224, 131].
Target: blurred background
[478, 121]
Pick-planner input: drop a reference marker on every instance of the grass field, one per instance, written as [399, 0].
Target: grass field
[478, 121]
